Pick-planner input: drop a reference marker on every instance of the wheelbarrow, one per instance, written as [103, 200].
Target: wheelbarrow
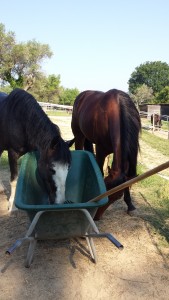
[72, 219]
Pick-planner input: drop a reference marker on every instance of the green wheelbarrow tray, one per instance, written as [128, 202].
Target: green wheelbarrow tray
[74, 218]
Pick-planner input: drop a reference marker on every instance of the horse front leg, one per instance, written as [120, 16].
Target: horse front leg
[100, 157]
[13, 158]
[2, 189]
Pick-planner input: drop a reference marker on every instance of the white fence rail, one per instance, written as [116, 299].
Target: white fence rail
[52, 106]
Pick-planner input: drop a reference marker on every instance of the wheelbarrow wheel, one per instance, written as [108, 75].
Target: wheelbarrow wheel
[30, 253]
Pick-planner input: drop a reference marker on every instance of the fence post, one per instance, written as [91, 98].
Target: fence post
[153, 123]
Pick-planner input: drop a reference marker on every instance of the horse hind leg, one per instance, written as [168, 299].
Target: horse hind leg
[127, 199]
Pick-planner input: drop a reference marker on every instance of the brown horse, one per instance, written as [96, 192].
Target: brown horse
[156, 120]
[110, 121]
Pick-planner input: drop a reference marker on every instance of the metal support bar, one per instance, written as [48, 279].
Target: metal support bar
[90, 219]
[32, 239]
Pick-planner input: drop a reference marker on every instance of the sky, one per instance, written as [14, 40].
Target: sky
[96, 44]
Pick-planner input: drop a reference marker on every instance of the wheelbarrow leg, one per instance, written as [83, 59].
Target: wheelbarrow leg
[30, 252]
[92, 249]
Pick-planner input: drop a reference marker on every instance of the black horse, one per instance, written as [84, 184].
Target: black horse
[25, 127]
[110, 121]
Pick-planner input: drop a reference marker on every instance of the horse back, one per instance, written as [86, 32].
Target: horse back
[96, 115]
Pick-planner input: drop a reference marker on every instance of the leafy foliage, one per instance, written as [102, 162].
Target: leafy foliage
[20, 62]
[153, 74]
[20, 66]
[46, 89]
[68, 96]
[143, 94]
[163, 96]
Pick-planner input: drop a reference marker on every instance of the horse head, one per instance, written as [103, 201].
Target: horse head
[53, 167]
[112, 181]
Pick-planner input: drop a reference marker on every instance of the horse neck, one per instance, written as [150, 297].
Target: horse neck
[43, 133]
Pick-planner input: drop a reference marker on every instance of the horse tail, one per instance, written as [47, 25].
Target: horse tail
[130, 128]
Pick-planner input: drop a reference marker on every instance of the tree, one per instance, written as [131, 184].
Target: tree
[153, 74]
[53, 88]
[68, 96]
[20, 63]
[143, 94]
[46, 89]
[163, 96]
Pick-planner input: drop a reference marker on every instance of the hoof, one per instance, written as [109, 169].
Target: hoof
[132, 212]
[98, 217]
[11, 207]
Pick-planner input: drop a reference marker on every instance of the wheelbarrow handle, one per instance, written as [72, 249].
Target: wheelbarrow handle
[114, 241]
[16, 245]
[109, 236]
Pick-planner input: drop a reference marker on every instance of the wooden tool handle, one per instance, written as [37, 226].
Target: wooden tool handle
[132, 181]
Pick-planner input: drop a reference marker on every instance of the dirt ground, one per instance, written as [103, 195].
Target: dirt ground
[63, 269]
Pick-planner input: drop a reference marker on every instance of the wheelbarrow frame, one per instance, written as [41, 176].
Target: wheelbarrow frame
[60, 221]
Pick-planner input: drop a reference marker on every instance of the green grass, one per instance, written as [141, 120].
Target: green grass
[160, 144]
[164, 125]
[155, 192]
[4, 159]
[57, 113]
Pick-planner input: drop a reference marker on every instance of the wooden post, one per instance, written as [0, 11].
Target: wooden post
[153, 122]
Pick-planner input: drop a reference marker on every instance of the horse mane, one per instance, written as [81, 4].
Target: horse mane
[37, 127]
[130, 129]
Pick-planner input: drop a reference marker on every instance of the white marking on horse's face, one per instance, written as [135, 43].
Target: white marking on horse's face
[59, 178]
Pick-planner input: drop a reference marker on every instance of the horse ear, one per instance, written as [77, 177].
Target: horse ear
[54, 142]
[70, 142]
